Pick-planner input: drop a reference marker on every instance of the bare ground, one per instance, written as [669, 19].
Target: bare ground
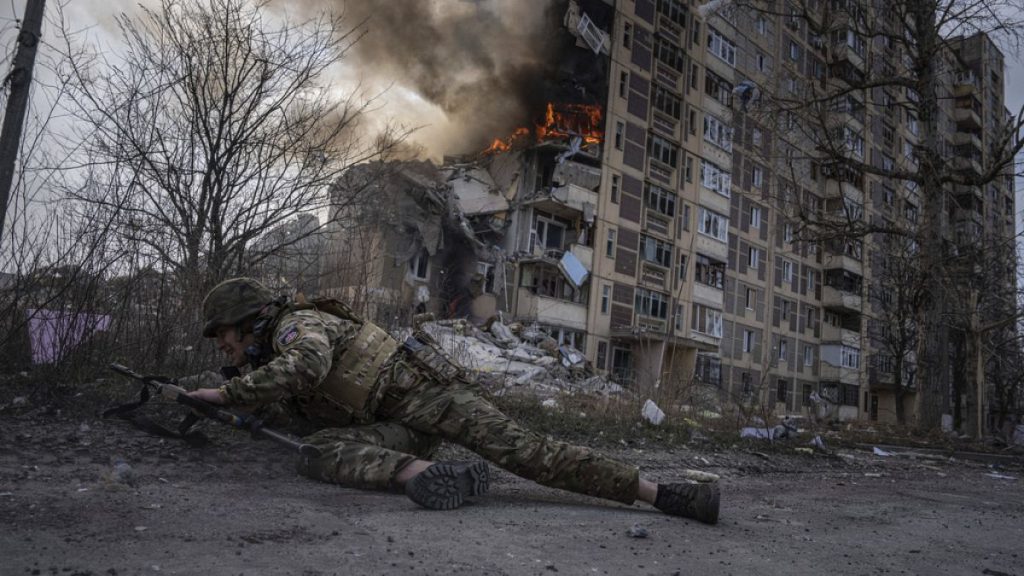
[238, 508]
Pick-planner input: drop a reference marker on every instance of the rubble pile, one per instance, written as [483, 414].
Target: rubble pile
[517, 357]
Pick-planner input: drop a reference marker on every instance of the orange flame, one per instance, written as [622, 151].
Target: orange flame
[560, 121]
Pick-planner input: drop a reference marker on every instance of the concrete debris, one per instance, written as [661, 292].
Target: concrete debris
[637, 531]
[504, 361]
[879, 452]
[818, 443]
[19, 402]
[652, 413]
[752, 432]
[999, 476]
[700, 476]
[550, 403]
[573, 269]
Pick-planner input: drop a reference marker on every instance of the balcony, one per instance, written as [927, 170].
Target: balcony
[568, 202]
[967, 139]
[654, 276]
[661, 173]
[967, 119]
[550, 310]
[842, 189]
[668, 76]
[840, 299]
[657, 223]
[671, 30]
[840, 374]
[839, 334]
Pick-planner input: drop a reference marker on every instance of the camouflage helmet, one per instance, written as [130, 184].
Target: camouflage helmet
[233, 301]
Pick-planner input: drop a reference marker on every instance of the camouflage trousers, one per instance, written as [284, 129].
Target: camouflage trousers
[420, 410]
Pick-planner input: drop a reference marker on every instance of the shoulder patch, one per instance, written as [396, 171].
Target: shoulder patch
[288, 335]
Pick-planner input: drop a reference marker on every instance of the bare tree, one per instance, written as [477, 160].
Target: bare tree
[216, 126]
[901, 71]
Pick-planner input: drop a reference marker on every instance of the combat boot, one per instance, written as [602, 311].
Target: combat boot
[697, 500]
[445, 485]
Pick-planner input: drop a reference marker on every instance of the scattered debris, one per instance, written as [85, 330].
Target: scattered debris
[700, 476]
[802, 450]
[999, 476]
[637, 531]
[818, 443]
[879, 452]
[120, 472]
[19, 401]
[652, 413]
[550, 403]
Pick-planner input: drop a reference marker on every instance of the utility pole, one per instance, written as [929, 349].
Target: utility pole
[20, 80]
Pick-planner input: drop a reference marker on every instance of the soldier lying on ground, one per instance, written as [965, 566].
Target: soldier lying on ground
[378, 409]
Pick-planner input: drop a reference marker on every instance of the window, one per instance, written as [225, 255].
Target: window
[717, 132]
[761, 25]
[609, 246]
[662, 150]
[781, 390]
[627, 35]
[762, 62]
[661, 200]
[707, 320]
[419, 266]
[787, 233]
[709, 272]
[606, 296]
[757, 176]
[692, 122]
[713, 224]
[753, 258]
[714, 178]
[674, 10]
[651, 303]
[748, 340]
[620, 130]
[485, 270]
[616, 184]
[549, 232]
[665, 101]
[689, 169]
[751, 299]
[669, 54]
[721, 46]
[757, 137]
[850, 357]
[717, 87]
[602, 355]
[681, 272]
[808, 356]
[787, 309]
[623, 84]
[783, 355]
[755, 216]
[794, 51]
[787, 271]
[678, 324]
[656, 251]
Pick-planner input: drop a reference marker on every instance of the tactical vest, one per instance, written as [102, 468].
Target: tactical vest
[348, 394]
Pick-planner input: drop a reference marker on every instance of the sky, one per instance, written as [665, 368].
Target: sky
[450, 81]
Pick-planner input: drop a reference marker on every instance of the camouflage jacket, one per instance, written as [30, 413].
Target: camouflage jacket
[305, 344]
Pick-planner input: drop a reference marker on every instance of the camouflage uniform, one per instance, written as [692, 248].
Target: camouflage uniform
[410, 406]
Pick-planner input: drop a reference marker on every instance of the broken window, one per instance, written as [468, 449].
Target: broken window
[717, 132]
[419, 266]
[709, 369]
[651, 303]
[623, 84]
[669, 54]
[656, 251]
[667, 102]
[748, 340]
[721, 47]
[622, 364]
[717, 87]
[620, 130]
[548, 232]
[602, 355]
[707, 320]
[606, 296]
[627, 35]
[674, 10]
[660, 200]
[781, 391]
[709, 272]
[713, 224]
[662, 150]
[714, 178]
[609, 247]
[485, 270]
[616, 185]
[548, 281]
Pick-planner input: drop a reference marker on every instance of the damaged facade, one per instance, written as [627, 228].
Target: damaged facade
[632, 221]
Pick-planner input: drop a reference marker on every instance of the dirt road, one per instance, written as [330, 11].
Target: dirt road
[238, 508]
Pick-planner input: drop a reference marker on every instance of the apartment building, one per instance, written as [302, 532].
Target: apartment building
[705, 265]
[681, 215]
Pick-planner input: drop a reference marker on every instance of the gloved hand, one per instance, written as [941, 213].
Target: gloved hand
[204, 379]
